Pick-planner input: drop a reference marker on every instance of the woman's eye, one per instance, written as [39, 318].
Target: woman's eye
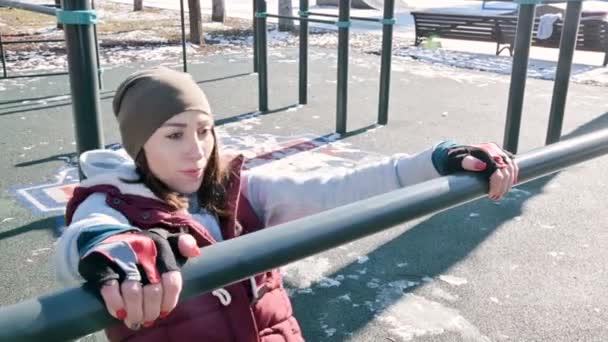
[204, 131]
[175, 135]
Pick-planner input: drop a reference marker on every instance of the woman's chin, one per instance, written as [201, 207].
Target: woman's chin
[189, 188]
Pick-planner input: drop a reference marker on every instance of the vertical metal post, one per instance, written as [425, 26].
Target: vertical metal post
[58, 6]
[523, 39]
[303, 77]
[567, 46]
[385, 66]
[255, 38]
[99, 71]
[262, 58]
[181, 12]
[342, 94]
[80, 46]
[2, 56]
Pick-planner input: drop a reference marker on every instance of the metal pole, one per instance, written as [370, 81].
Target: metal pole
[523, 38]
[2, 56]
[28, 7]
[385, 66]
[352, 17]
[99, 76]
[303, 77]
[342, 93]
[80, 46]
[301, 19]
[38, 75]
[567, 46]
[28, 41]
[99, 71]
[58, 6]
[262, 58]
[255, 38]
[181, 12]
[46, 319]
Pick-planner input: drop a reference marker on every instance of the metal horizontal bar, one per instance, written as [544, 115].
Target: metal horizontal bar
[46, 318]
[35, 75]
[321, 21]
[32, 41]
[29, 7]
[375, 20]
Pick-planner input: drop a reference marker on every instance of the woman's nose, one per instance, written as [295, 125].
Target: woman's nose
[195, 148]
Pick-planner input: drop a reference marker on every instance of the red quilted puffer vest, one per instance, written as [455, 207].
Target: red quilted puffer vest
[267, 318]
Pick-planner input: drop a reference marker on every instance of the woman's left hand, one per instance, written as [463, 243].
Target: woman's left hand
[498, 164]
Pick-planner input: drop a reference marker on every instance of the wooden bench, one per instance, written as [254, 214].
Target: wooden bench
[592, 35]
[459, 26]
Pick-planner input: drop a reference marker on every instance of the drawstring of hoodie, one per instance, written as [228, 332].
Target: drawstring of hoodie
[254, 289]
[225, 298]
[223, 295]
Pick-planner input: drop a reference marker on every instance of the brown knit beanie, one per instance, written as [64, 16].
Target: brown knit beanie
[148, 98]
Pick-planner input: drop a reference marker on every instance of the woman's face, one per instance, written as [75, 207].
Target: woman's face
[179, 150]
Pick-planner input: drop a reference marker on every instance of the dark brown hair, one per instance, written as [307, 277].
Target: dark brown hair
[211, 194]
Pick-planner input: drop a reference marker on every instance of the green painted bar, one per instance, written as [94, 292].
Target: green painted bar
[255, 38]
[82, 66]
[97, 48]
[567, 46]
[262, 57]
[29, 7]
[34, 41]
[303, 47]
[374, 20]
[385, 66]
[183, 27]
[2, 56]
[302, 19]
[61, 73]
[523, 39]
[342, 88]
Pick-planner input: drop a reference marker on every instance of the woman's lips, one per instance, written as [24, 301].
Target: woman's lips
[192, 173]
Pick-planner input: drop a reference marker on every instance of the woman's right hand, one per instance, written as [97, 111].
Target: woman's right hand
[138, 273]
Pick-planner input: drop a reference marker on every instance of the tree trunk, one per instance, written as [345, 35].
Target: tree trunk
[138, 5]
[196, 22]
[285, 8]
[218, 11]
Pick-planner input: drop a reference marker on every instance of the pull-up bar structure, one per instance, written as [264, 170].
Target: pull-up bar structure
[343, 23]
[75, 312]
[521, 56]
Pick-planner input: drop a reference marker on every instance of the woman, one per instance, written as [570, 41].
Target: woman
[138, 217]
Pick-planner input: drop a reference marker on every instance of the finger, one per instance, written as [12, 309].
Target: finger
[471, 163]
[110, 292]
[507, 180]
[511, 170]
[172, 287]
[153, 295]
[133, 299]
[496, 184]
[187, 246]
[515, 172]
